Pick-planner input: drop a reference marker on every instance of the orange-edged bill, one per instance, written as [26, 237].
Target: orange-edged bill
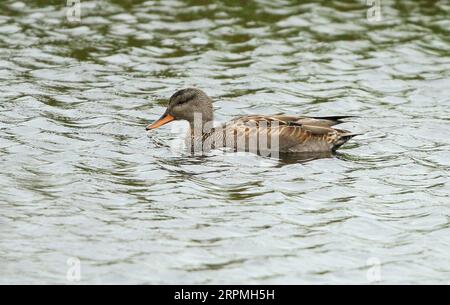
[166, 118]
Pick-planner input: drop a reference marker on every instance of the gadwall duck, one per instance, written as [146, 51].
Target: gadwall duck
[284, 133]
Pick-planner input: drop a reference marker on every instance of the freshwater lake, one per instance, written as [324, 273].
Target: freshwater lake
[83, 184]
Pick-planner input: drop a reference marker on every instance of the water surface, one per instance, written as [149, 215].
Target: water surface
[80, 177]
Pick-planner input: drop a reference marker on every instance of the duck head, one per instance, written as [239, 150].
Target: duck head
[186, 104]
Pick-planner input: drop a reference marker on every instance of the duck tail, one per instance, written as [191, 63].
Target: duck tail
[343, 138]
[335, 117]
[334, 120]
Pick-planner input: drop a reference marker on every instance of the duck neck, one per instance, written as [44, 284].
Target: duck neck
[201, 125]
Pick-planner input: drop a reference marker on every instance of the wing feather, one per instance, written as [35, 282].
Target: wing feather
[293, 132]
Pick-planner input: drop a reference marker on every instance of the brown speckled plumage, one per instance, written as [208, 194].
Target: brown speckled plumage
[284, 133]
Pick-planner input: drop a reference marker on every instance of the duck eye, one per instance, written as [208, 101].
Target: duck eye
[183, 99]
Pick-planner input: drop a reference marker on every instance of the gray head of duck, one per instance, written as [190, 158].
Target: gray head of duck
[187, 104]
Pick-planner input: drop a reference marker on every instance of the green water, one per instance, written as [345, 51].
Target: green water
[80, 177]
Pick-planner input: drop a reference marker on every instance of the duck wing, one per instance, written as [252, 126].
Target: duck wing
[294, 134]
